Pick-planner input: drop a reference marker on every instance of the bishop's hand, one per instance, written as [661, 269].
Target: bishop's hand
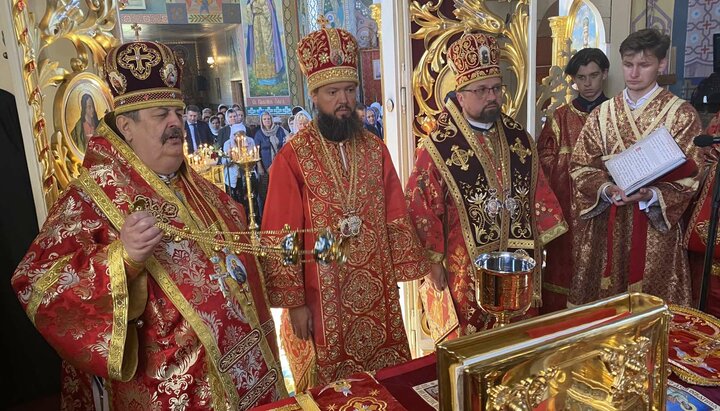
[301, 322]
[139, 236]
[437, 277]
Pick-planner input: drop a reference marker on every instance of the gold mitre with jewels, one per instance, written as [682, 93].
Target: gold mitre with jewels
[328, 55]
[474, 57]
[143, 74]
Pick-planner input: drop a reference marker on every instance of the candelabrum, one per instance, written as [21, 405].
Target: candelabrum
[247, 157]
[204, 157]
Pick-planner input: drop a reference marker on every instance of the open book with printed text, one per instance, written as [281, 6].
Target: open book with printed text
[645, 161]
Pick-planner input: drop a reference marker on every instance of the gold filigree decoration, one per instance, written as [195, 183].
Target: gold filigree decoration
[89, 29]
[556, 87]
[520, 150]
[460, 158]
[628, 366]
[703, 231]
[432, 78]
[525, 395]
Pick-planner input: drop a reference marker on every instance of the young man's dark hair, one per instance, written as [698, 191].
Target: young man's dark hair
[584, 57]
[650, 40]
[194, 109]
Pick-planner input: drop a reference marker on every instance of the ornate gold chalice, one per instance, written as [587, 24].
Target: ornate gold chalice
[503, 284]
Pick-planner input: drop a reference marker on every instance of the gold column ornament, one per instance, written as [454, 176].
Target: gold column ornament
[376, 14]
[557, 86]
[89, 30]
[558, 26]
[432, 77]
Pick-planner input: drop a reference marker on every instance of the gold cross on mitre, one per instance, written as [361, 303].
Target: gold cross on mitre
[137, 29]
[323, 22]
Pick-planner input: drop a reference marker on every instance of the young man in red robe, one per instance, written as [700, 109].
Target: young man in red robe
[477, 186]
[340, 318]
[141, 319]
[634, 243]
[588, 69]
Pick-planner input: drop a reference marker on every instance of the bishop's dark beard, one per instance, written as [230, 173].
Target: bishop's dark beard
[339, 129]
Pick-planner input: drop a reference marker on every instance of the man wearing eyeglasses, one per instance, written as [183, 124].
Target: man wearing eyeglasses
[477, 187]
[588, 69]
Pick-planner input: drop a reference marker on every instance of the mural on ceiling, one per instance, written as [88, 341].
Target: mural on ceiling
[367, 30]
[265, 56]
[703, 22]
[334, 12]
[202, 11]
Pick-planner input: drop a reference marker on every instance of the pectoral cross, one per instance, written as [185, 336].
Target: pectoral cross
[220, 278]
[136, 28]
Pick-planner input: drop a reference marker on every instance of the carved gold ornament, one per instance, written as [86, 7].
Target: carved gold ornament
[88, 27]
[432, 77]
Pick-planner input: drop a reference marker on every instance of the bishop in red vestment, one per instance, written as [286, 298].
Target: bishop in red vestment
[588, 69]
[477, 186]
[341, 318]
[141, 319]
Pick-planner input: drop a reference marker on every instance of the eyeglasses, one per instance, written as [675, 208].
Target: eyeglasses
[483, 91]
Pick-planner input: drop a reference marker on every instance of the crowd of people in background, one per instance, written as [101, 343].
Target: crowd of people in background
[227, 127]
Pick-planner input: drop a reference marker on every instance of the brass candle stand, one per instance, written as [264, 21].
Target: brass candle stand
[247, 158]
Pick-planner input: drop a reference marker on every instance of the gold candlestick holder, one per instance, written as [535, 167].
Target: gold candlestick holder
[247, 158]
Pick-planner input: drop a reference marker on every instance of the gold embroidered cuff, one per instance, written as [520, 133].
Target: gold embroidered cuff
[434, 257]
[132, 267]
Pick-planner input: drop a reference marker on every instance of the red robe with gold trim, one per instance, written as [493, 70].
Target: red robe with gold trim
[451, 215]
[661, 268]
[698, 227]
[170, 338]
[357, 323]
[555, 145]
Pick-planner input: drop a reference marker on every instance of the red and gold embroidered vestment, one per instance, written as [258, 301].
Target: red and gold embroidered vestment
[173, 337]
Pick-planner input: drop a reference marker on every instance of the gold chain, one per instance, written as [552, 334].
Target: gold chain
[348, 199]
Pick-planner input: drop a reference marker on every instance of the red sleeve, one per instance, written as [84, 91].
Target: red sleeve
[548, 214]
[425, 197]
[548, 146]
[284, 204]
[73, 287]
[408, 258]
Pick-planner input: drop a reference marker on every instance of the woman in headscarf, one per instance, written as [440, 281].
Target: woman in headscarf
[300, 120]
[270, 138]
[371, 123]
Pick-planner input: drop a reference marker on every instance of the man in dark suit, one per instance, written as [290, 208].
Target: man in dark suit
[196, 132]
